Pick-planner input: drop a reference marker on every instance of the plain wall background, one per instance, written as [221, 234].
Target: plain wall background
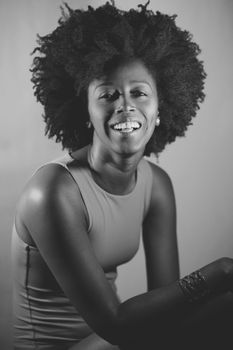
[200, 165]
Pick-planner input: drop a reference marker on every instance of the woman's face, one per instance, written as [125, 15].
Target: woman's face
[123, 108]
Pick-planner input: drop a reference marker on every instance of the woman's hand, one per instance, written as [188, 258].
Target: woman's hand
[219, 275]
[227, 267]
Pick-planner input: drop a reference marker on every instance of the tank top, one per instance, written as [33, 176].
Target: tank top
[44, 318]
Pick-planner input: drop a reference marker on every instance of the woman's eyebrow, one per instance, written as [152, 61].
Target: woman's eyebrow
[140, 82]
[107, 83]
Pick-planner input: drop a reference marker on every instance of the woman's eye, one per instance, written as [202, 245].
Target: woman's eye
[108, 96]
[138, 93]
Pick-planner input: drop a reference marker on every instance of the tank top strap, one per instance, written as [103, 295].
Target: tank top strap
[64, 161]
[79, 179]
[146, 175]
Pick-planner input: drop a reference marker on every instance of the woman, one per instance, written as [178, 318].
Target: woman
[116, 86]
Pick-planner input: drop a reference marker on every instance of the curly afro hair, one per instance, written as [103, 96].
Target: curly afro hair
[85, 41]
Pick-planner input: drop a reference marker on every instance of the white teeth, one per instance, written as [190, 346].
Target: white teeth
[127, 125]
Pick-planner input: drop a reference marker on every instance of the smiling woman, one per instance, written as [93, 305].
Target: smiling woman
[123, 108]
[115, 86]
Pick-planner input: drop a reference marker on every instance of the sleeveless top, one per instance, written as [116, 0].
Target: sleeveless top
[44, 317]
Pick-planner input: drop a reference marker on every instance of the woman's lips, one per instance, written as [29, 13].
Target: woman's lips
[127, 126]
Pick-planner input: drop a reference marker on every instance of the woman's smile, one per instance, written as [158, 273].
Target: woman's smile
[127, 126]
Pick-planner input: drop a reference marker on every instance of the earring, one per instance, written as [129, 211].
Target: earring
[88, 124]
[157, 122]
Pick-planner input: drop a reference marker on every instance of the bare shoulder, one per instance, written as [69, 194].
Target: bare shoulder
[47, 180]
[162, 187]
[161, 179]
[49, 186]
[53, 179]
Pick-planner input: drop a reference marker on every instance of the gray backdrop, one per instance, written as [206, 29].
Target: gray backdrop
[200, 165]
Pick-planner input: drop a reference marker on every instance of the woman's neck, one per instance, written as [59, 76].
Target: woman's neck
[113, 172]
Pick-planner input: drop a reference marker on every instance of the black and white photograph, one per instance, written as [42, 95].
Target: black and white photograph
[116, 173]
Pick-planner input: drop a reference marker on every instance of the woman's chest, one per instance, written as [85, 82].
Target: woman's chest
[115, 228]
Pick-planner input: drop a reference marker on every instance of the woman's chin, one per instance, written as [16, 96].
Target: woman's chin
[129, 150]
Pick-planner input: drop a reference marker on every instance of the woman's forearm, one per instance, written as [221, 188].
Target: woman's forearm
[168, 306]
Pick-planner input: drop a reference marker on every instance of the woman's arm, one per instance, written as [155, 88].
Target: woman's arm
[159, 233]
[53, 211]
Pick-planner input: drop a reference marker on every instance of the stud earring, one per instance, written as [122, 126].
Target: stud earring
[157, 122]
[88, 124]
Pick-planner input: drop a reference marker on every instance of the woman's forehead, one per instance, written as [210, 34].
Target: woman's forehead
[131, 72]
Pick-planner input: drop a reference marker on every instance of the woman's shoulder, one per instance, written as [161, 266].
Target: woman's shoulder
[48, 185]
[43, 186]
[161, 182]
[47, 195]
[54, 176]
[47, 177]
[158, 173]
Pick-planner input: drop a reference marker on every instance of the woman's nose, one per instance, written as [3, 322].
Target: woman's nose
[124, 105]
[125, 108]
